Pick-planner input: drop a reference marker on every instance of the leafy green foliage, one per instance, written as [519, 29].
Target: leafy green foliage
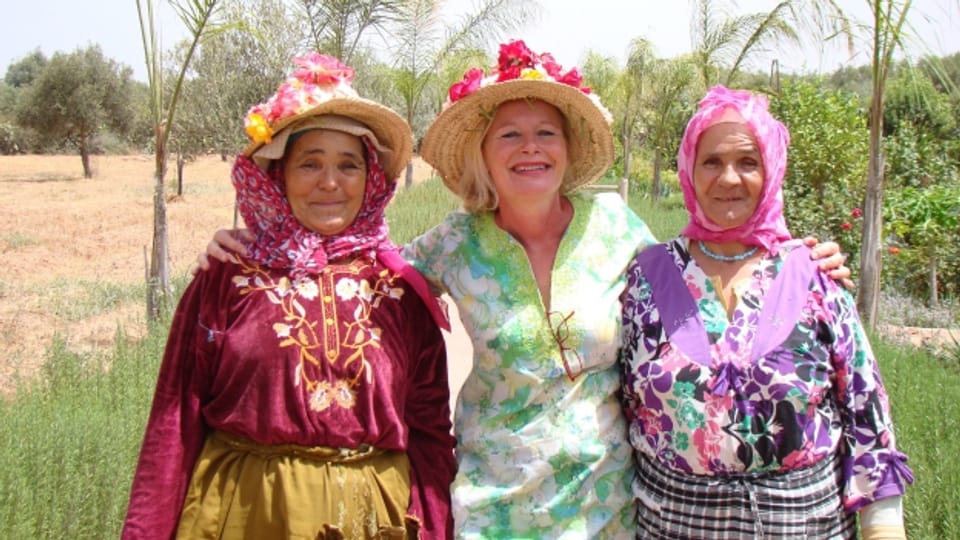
[232, 69]
[824, 185]
[924, 222]
[912, 99]
[24, 71]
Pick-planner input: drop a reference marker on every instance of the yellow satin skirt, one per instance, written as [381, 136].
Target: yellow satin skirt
[243, 490]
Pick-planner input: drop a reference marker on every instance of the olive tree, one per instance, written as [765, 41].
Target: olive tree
[74, 97]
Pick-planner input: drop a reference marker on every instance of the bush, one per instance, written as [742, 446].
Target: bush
[826, 167]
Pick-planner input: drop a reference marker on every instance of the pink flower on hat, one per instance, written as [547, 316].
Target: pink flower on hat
[517, 61]
[469, 84]
[321, 69]
[318, 78]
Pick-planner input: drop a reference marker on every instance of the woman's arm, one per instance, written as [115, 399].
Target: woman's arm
[430, 442]
[883, 520]
[874, 468]
[175, 429]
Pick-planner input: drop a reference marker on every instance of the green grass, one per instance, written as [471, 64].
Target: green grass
[418, 208]
[17, 239]
[925, 398]
[78, 300]
[68, 446]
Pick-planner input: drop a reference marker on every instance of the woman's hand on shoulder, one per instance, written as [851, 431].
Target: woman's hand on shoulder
[225, 245]
[831, 260]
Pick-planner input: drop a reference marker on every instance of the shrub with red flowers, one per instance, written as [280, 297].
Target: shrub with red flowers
[517, 61]
[848, 233]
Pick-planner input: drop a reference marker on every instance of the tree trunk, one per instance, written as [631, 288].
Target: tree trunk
[409, 179]
[657, 167]
[934, 295]
[158, 284]
[85, 157]
[180, 163]
[868, 299]
[624, 185]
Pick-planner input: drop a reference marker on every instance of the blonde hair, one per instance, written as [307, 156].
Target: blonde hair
[475, 186]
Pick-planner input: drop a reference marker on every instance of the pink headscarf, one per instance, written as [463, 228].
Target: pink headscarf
[282, 242]
[767, 226]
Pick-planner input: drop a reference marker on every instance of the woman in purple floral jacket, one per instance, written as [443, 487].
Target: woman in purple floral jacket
[755, 404]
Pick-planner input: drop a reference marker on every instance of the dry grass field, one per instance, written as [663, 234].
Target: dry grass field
[73, 250]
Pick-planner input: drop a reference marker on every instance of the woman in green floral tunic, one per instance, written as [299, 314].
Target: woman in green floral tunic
[536, 269]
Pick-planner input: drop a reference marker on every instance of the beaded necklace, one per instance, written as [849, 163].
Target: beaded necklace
[726, 258]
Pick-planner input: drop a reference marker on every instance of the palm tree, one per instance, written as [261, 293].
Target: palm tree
[722, 44]
[670, 104]
[199, 18]
[427, 54]
[337, 27]
[889, 17]
[634, 127]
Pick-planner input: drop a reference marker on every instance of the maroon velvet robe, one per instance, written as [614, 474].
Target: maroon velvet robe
[346, 358]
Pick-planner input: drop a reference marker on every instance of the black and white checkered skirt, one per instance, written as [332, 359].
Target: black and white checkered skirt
[804, 503]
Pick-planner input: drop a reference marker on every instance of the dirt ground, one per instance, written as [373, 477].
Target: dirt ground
[67, 243]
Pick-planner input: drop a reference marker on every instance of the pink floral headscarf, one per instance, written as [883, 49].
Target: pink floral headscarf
[767, 226]
[283, 242]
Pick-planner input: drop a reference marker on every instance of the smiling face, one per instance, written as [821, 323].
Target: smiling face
[728, 174]
[325, 173]
[525, 150]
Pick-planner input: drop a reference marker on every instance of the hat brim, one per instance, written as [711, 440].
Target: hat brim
[390, 128]
[444, 143]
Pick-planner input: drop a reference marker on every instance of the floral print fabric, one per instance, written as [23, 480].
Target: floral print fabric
[539, 455]
[817, 394]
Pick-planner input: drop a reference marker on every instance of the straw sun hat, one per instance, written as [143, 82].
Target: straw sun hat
[321, 86]
[521, 74]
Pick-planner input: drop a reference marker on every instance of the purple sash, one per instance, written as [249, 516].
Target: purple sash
[782, 304]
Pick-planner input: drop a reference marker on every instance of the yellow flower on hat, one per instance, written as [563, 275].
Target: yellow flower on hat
[532, 74]
[257, 128]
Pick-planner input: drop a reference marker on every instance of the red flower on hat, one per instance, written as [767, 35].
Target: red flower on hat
[469, 84]
[514, 57]
[517, 61]
[575, 79]
[320, 69]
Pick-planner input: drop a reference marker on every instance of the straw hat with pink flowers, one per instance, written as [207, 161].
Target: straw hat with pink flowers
[521, 74]
[319, 95]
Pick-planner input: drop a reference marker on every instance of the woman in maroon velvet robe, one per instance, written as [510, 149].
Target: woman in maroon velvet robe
[303, 392]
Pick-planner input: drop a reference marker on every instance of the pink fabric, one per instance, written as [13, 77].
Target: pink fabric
[282, 242]
[767, 226]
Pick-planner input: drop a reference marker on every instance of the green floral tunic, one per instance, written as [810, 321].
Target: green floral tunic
[540, 455]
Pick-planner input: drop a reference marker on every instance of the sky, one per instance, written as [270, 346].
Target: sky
[567, 29]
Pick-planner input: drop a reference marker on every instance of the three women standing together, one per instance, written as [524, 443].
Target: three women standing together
[537, 270]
